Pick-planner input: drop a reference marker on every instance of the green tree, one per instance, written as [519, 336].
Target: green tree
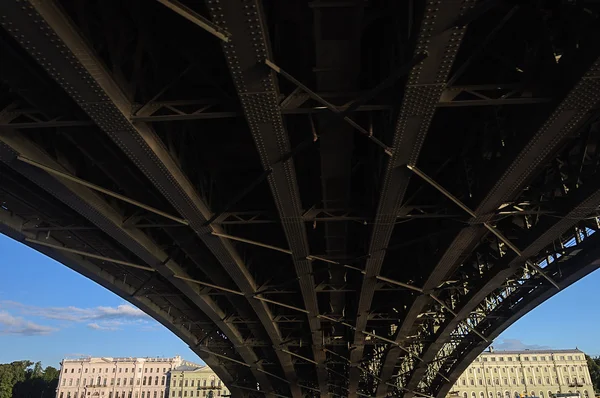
[24, 379]
[594, 368]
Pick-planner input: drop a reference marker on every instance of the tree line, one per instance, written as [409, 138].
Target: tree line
[25, 379]
[594, 367]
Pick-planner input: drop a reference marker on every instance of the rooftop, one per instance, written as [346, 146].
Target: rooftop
[499, 352]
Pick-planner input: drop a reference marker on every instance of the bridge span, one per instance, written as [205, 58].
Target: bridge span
[322, 198]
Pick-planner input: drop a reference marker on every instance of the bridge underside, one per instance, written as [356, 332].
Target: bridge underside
[322, 198]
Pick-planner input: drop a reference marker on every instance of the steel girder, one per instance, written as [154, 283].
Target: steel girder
[425, 85]
[91, 86]
[573, 269]
[257, 89]
[546, 141]
[12, 225]
[92, 207]
[583, 201]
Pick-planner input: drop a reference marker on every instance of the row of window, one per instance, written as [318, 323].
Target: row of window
[527, 358]
[517, 394]
[147, 380]
[210, 394]
[124, 394]
[530, 369]
[506, 381]
[184, 383]
[146, 370]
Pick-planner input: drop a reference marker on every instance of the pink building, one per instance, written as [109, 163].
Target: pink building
[115, 377]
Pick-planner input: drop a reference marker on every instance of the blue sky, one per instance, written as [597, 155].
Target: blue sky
[48, 312]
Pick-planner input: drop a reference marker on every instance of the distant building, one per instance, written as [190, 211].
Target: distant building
[115, 377]
[188, 381]
[537, 373]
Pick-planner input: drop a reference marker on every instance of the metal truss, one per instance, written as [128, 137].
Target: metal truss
[258, 93]
[14, 117]
[487, 95]
[88, 95]
[93, 207]
[565, 120]
[426, 83]
[475, 95]
[508, 306]
[12, 225]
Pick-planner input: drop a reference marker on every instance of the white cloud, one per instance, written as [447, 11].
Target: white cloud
[97, 326]
[518, 345]
[97, 318]
[16, 325]
[76, 314]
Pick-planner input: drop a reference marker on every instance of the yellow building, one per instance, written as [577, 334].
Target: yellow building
[188, 381]
[534, 373]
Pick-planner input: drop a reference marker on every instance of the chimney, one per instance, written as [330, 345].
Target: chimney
[491, 348]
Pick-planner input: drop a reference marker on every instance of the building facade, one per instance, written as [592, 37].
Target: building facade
[188, 381]
[115, 377]
[512, 374]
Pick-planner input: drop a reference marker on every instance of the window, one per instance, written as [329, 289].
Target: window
[562, 358]
[472, 382]
[61, 395]
[493, 359]
[120, 370]
[154, 394]
[98, 381]
[539, 380]
[70, 382]
[534, 358]
[104, 382]
[131, 381]
[186, 383]
[570, 358]
[465, 395]
[478, 370]
[143, 394]
[144, 382]
[543, 358]
[85, 370]
[501, 359]
[155, 380]
[126, 369]
[93, 370]
[132, 370]
[119, 381]
[480, 382]
[185, 393]
[124, 381]
[509, 360]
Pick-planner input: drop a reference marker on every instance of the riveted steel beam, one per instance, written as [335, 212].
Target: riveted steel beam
[91, 206]
[426, 82]
[96, 92]
[12, 225]
[571, 270]
[257, 87]
[584, 202]
[563, 123]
